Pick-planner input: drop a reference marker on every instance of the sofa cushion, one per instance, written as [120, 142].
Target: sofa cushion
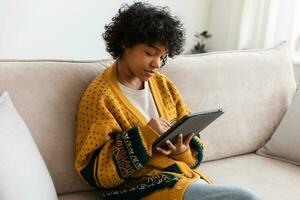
[244, 171]
[270, 179]
[254, 88]
[23, 173]
[285, 142]
[46, 94]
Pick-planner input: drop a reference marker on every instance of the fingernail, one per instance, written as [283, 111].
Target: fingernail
[180, 134]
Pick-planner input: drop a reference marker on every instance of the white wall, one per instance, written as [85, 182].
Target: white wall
[71, 29]
[248, 24]
[223, 24]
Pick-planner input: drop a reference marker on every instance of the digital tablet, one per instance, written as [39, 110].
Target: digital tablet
[193, 123]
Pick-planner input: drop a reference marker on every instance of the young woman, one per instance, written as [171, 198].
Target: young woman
[126, 108]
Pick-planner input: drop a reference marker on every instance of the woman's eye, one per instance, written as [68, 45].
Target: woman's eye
[149, 54]
[163, 57]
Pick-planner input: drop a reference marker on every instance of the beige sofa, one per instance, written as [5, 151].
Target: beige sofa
[254, 88]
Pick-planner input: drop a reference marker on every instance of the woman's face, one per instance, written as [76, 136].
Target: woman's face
[144, 60]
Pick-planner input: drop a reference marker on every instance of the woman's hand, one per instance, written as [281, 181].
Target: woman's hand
[179, 148]
[160, 125]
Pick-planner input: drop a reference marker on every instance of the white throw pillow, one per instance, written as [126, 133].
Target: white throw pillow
[285, 142]
[23, 173]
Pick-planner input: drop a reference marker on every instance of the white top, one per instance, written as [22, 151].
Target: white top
[141, 99]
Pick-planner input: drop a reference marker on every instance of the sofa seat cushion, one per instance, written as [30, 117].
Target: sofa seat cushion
[269, 178]
[91, 195]
[244, 171]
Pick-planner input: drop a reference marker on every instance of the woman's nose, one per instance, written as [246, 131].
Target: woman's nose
[156, 63]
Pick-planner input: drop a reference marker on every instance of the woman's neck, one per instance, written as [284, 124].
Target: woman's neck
[126, 77]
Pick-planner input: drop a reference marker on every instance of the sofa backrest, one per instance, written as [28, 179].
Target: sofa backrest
[254, 89]
[46, 94]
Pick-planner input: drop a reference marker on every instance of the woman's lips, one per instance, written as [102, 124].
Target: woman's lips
[149, 72]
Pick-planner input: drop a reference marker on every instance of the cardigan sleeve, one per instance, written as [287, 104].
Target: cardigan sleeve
[106, 155]
[194, 155]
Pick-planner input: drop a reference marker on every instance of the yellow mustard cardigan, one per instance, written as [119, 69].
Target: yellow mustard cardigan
[114, 143]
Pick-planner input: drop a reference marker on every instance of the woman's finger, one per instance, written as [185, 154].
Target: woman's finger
[171, 146]
[166, 122]
[163, 128]
[162, 151]
[179, 141]
[188, 139]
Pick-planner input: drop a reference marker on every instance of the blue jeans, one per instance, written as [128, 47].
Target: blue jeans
[200, 191]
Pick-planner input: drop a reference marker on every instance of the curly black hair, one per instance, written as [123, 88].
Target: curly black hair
[143, 23]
